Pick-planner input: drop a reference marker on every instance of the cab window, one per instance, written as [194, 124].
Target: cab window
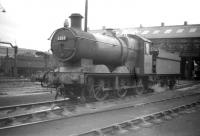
[147, 48]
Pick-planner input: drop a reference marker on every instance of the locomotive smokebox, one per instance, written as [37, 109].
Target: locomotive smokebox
[76, 21]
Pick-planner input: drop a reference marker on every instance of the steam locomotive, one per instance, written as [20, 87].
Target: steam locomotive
[97, 66]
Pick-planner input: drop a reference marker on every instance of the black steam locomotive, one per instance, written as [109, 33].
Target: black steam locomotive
[101, 65]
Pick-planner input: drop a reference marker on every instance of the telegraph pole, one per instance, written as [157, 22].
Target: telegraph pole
[86, 14]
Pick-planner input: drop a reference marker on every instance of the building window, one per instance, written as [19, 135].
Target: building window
[192, 30]
[145, 32]
[179, 30]
[168, 31]
[156, 31]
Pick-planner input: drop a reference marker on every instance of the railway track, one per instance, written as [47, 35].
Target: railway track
[14, 112]
[59, 109]
[128, 126]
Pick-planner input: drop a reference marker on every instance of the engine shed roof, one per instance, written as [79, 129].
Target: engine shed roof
[155, 32]
[181, 31]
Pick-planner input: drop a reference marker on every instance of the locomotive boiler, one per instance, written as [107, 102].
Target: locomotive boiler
[101, 65]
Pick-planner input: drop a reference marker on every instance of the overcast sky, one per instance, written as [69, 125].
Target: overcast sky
[29, 23]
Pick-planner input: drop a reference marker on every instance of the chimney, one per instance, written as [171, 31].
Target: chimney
[76, 21]
[162, 24]
[185, 23]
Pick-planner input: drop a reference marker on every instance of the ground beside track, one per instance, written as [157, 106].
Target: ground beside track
[86, 123]
[15, 88]
[23, 99]
[15, 93]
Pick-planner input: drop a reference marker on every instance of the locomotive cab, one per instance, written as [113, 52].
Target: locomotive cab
[144, 62]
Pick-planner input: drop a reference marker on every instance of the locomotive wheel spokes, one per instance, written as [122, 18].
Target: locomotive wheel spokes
[99, 94]
[121, 92]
